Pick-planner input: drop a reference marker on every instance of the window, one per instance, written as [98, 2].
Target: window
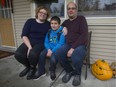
[56, 8]
[97, 8]
[6, 9]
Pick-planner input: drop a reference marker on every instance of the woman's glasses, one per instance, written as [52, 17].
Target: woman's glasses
[43, 13]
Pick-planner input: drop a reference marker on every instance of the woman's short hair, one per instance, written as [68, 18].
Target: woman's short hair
[38, 10]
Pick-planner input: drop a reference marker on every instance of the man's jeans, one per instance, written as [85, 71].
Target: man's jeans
[76, 58]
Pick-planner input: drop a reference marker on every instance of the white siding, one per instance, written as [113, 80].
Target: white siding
[22, 11]
[103, 39]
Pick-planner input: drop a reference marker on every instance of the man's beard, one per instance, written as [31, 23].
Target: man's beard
[72, 17]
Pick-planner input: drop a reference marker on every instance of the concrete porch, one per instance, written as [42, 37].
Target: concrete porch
[10, 69]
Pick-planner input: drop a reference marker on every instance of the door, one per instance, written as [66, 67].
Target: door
[6, 32]
[6, 26]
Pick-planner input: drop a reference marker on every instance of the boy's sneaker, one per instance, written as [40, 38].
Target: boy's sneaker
[38, 76]
[52, 75]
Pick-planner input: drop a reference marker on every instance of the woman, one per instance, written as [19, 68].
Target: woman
[33, 36]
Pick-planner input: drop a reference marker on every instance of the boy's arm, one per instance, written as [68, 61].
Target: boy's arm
[46, 43]
[60, 43]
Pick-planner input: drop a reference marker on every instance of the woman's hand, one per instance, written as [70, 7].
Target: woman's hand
[28, 52]
[65, 31]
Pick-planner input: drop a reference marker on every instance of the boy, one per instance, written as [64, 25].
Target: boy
[55, 38]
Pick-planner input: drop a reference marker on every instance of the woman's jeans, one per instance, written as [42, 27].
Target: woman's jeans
[42, 61]
[32, 59]
[77, 58]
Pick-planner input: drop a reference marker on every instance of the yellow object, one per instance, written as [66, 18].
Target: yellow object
[102, 70]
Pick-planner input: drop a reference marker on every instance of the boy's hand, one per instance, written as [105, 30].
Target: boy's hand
[49, 53]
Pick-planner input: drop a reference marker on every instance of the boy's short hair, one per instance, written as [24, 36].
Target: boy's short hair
[56, 18]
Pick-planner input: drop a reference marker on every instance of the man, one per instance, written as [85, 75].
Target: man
[75, 46]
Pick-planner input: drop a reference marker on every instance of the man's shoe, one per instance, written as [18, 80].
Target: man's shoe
[37, 76]
[31, 74]
[67, 77]
[52, 75]
[24, 72]
[76, 80]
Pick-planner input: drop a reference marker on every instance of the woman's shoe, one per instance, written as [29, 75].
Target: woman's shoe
[31, 73]
[24, 72]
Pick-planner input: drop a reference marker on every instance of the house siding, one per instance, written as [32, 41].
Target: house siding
[103, 41]
[22, 11]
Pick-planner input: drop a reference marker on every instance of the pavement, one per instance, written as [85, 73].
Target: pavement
[10, 69]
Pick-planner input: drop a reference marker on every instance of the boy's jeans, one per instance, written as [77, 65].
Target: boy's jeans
[42, 58]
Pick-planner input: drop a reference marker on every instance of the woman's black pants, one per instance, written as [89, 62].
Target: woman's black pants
[32, 58]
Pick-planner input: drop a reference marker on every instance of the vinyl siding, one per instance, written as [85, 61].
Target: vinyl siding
[103, 41]
[22, 11]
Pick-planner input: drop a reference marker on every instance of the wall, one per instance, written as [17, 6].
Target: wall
[22, 11]
[103, 44]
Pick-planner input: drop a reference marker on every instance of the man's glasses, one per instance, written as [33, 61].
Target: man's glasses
[71, 8]
[43, 13]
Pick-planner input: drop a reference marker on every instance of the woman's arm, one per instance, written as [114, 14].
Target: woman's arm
[27, 42]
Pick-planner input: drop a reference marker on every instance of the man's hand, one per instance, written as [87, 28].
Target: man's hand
[70, 52]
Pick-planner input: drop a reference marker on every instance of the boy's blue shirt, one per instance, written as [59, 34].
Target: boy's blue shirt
[52, 42]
